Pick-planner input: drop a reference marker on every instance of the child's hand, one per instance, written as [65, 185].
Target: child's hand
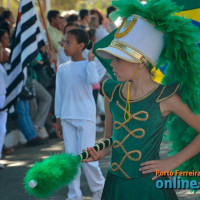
[59, 131]
[164, 165]
[94, 155]
[91, 56]
[40, 62]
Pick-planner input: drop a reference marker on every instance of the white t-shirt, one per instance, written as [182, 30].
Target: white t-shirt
[74, 98]
[3, 85]
[3, 80]
[101, 32]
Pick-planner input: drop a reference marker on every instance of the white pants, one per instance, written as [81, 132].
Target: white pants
[3, 120]
[78, 135]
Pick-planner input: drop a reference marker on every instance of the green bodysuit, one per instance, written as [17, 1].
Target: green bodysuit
[135, 142]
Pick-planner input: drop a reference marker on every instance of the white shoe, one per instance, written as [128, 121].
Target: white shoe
[97, 195]
[42, 133]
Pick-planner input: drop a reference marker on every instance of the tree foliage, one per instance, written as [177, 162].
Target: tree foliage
[61, 5]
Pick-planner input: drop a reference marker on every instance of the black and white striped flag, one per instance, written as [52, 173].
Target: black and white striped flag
[27, 41]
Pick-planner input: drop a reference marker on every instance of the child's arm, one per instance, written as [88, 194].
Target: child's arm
[95, 70]
[58, 95]
[175, 105]
[59, 131]
[108, 133]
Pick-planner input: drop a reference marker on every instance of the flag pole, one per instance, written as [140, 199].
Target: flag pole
[45, 27]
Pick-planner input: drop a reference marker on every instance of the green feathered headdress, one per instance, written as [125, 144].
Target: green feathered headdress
[182, 57]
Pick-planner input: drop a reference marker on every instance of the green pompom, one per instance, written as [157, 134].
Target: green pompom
[51, 174]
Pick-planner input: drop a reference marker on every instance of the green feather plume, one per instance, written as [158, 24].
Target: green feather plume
[51, 174]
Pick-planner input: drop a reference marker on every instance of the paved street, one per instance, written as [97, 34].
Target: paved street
[11, 178]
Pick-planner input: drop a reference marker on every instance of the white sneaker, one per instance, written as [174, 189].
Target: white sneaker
[97, 195]
[41, 132]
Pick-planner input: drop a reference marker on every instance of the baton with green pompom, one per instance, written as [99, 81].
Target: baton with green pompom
[56, 171]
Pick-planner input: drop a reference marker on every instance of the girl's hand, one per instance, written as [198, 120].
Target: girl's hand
[94, 155]
[59, 131]
[164, 165]
[91, 56]
[6, 56]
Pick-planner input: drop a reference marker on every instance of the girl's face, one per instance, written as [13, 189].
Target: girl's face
[123, 70]
[5, 40]
[71, 46]
[11, 18]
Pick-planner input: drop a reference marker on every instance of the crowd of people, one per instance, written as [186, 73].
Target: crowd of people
[34, 110]
[41, 111]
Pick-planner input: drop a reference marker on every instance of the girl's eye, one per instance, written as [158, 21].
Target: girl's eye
[67, 42]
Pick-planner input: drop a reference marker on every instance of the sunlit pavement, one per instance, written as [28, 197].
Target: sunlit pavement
[11, 178]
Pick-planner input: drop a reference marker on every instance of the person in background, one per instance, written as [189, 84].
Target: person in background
[62, 57]
[62, 24]
[5, 40]
[43, 73]
[73, 18]
[8, 17]
[92, 35]
[75, 108]
[101, 31]
[55, 34]
[110, 24]
[3, 114]
[84, 18]
[94, 24]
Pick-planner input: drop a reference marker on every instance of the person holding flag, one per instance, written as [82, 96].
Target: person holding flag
[3, 114]
[27, 41]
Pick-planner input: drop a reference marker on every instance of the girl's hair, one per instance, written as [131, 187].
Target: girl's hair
[81, 36]
[6, 14]
[91, 33]
[70, 24]
[72, 18]
[5, 26]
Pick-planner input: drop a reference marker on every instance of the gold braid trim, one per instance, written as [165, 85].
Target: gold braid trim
[136, 100]
[129, 131]
[119, 168]
[127, 154]
[158, 100]
[135, 115]
[104, 93]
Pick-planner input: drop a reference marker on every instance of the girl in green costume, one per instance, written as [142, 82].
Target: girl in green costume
[137, 108]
